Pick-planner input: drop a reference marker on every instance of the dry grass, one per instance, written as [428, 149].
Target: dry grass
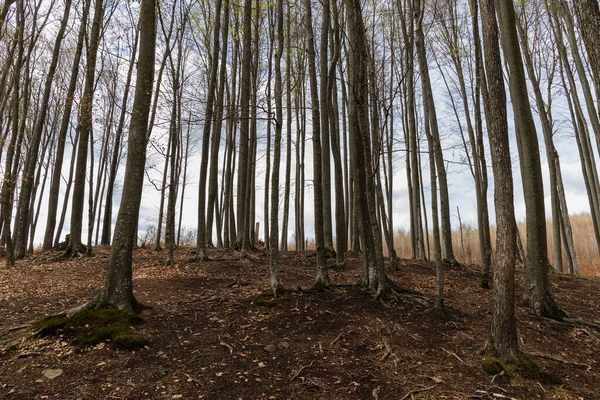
[466, 243]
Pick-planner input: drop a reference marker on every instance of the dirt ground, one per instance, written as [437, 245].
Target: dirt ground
[211, 340]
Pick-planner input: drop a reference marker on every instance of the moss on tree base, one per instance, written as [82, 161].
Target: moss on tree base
[525, 367]
[90, 327]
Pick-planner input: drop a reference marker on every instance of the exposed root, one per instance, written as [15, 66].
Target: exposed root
[453, 354]
[302, 368]
[321, 283]
[415, 391]
[560, 359]
[340, 337]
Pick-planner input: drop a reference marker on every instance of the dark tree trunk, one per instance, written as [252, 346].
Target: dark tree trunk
[503, 330]
[118, 289]
[537, 289]
[62, 135]
[85, 128]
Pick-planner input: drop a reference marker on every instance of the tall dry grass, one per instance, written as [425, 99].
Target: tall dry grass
[466, 243]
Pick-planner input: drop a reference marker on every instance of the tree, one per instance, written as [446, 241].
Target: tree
[243, 201]
[118, 286]
[537, 289]
[274, 261]
[322, 275]
[23, 216]
[208, 121]
[588, 15]
[504, 329]
[75, 245]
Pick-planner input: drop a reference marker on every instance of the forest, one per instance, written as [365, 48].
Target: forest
[256, 199]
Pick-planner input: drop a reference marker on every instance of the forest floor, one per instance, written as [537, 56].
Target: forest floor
[210, 339]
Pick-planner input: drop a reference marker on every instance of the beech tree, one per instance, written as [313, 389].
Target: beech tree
[504, 329]
[118, 287]
[537, 289]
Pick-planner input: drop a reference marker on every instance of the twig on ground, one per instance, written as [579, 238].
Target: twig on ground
[560, 359]
[501, 396]
[501, 373]
[340, 337]
[192, 379]
[415, 391]
[18, 328]
[588, 333]
[453, 354]
[302, 368]
[228, 346]
[581, 321]
[542, 387]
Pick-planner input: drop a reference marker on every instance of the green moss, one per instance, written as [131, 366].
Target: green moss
[90, 327]
[492, 366]
[265, 300]
[525, 367]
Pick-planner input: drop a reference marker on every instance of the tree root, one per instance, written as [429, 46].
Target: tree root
[302, 368]
[560, 359]
[415, 391]
[340, 337]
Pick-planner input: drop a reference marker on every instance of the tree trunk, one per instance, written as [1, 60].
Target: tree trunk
[34, 143]
[322, 275]
[116, 155]
[503, 329]
[537, 289]
[64, 127]
[76, 246]
[118, 289]
[274, 262]
[588, 15]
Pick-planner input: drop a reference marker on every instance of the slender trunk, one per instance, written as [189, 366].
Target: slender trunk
[322, 275]
[274, 264]
[116, 155]
[503, 329]
[85, 128]
[62, 135]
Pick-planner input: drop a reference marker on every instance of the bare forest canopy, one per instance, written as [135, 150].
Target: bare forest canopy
[268, 125]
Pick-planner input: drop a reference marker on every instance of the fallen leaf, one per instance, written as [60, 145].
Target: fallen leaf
[52, 373]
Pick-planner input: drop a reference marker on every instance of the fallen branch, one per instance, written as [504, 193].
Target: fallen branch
[302, 368]
[228, 346]
[453, 354]
[581, 321]
[588, 333]
[340, 336]
[560, 359]
[415, 391]
[501, 373]
[18, 328]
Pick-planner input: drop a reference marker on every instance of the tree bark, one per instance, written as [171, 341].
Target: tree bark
[503, 329]
[537, 289]
[118, 287]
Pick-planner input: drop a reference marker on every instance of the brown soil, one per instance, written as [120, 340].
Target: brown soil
[337, 344]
